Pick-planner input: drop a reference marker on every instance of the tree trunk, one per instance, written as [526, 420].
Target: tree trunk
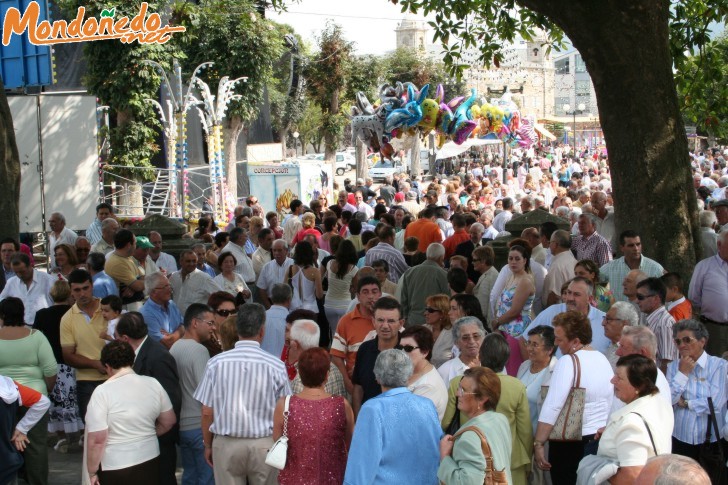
[9, 171]
[232, 127]
[284, 147]
[415, 157]
[330, 142]
[626, 49]
[362, 171]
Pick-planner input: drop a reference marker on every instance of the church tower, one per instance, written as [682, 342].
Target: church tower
[411, 34]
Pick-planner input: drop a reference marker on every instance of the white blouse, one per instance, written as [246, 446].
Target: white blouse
[626, 440]
[430, 385]
[596, 376]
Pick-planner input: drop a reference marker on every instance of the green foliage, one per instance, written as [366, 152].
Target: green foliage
[326, 80]
[486, 25]
[241, 43]
[702, 85]
[365, 74]
[115, 75]
[407, 65]
[309, 126]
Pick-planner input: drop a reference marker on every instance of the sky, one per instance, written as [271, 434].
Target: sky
[368, 23]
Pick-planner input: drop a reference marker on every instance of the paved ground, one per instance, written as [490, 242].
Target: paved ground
[65, 469]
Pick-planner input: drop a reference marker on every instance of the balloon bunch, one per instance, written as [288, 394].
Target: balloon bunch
[402, 108]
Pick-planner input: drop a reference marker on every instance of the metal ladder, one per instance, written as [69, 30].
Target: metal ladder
[159, 198]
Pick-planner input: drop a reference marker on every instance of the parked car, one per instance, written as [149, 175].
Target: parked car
[344, 162]
[384, 168]
[424, 161]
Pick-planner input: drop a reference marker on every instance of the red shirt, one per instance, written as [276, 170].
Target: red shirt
[459, 236]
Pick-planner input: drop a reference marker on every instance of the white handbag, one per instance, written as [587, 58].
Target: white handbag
[276, 456]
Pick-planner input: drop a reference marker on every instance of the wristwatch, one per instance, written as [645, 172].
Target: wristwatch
[537, 443]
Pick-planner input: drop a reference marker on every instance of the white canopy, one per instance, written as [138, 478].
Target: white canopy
[451, 149]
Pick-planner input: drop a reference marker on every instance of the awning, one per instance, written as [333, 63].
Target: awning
[451, 149]
[543, 131]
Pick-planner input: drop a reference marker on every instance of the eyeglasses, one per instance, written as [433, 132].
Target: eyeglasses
[533, 345]
[468, 338]
[641, 297]
[684, 340]
[165, 287]
[461, 392]
[407, 348]
[226, 313]
[211, 323]
[429, 309]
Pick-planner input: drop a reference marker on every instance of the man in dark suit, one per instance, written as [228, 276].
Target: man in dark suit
[466, 248]
[154, 360]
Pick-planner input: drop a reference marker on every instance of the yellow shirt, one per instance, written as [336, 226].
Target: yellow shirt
[122, 270]
[77, 330]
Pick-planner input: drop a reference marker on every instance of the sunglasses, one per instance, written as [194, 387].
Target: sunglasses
[226, 313]
[684, 340]
[643, 297]
[429, 309]
[407, 348]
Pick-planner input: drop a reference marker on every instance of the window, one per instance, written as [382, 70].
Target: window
[562, 66]
[579, 63]
[583, 87]
[560, 102]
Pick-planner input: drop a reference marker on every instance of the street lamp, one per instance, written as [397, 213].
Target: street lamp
[577, 111]
[295, 143]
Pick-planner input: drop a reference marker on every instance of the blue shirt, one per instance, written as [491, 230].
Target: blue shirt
[599, 341]
[206, 268]
[396, 440]
[104, 285]
[158, 319]
[275, 330]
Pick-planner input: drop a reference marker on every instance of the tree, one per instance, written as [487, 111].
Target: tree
[703, 89]
[10, 171]
[629, 52]
[241, 43]
[309, 128]
[326, 77]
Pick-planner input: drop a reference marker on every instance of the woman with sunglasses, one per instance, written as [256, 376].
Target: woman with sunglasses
[437, 319]
[461, 457]
[223, 306]
[694, 378]
[417, 342]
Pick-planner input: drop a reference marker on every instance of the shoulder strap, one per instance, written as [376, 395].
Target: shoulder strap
[712, 420]
[648, 432]
[285, 415]
[577, 371]
[487, 453]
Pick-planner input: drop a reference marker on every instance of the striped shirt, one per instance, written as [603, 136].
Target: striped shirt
[594, 247]
[615, 271]
[708, 378]
[394, 258]
[708, 288]
[661, 322]
[242, 387]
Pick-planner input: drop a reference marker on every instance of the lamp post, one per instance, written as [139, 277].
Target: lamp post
[295, 143]
[577, 111]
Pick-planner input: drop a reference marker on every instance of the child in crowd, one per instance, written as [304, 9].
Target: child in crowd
[111, 311]
[677, 305]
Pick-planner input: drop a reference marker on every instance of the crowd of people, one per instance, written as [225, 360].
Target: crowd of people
[377, 335]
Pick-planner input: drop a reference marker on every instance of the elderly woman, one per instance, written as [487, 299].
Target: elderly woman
[573, 336]
[513, 404]
[461, 457]
[437, 319]
[230, 281]
[693, 379]
[27, 357]
[643, 427]
[417, 342]
[468, 333]
[318, 457]
[125, 415]
[407, 449]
